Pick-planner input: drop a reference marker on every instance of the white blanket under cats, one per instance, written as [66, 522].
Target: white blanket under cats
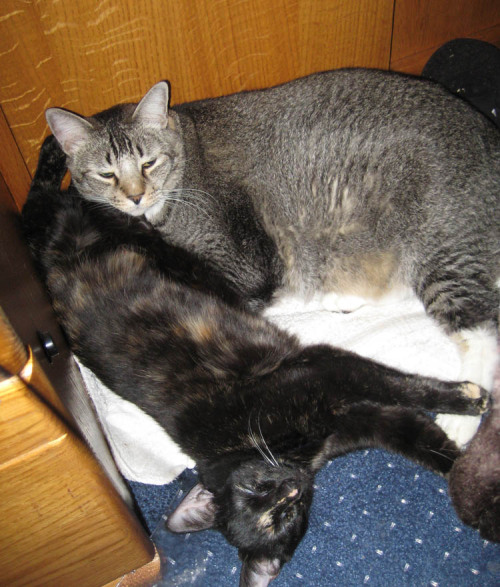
[399, 334]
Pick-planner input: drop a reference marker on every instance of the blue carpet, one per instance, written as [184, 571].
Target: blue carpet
[377, 519]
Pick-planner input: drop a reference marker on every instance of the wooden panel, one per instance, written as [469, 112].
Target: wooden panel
[23, 429]
[147, 576]
[89, 55]
[13, 354]
[15, 359]
[12, 166]
[62, 522]
[422, 26]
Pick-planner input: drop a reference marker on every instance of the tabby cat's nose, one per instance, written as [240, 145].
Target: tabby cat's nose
[136, 198]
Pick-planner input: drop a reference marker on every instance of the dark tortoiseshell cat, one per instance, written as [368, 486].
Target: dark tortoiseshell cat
[341, 187]
[257, 411]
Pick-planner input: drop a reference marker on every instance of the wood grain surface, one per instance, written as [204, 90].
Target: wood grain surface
[62, 522]
[422, 26]
[13, 354]
[88, 55]
[12, 165]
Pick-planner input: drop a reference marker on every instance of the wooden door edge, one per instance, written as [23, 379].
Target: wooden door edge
[145, 576]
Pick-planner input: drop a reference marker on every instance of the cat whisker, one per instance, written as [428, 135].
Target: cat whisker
[101, 204]
[254, 441]
[182, 193]
[185, 202]
[441, 454]
[263, 454]
[189, 193]
[272, 457]
[194, 192]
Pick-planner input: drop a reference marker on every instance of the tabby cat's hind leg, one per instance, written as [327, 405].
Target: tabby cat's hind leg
[478, 349]
[461, 295]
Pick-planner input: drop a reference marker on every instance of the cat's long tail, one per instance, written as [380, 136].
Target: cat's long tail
[39, 211]
[51, 166]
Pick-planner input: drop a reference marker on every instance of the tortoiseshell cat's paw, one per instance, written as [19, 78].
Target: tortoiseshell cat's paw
[479, 395]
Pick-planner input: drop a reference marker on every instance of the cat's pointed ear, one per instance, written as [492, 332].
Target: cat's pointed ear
[195, 512]
[259, 572]
[152, 110]
[70, 130]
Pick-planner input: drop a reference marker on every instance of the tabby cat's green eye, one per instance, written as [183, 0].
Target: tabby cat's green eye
[148, 164]
[107, 174]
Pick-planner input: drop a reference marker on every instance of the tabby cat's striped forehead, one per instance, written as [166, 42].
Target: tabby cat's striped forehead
[119, 135]
[120, 144]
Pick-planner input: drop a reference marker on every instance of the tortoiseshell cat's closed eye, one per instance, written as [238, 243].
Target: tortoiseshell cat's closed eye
[258, 412]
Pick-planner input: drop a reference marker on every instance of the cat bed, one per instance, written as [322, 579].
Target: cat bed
[471, 69]
[377, 518]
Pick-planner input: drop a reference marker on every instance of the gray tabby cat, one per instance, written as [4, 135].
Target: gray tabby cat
[339, 188]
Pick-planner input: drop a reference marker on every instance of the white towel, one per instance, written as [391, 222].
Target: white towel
[400, 335]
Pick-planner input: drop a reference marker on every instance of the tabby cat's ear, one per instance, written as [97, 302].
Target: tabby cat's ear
[152, 110]
[259, 572]
[195, 512]
[70, 130]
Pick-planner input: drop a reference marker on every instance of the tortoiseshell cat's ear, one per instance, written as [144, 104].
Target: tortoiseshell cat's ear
[259, 573]
[152, 110]
[71, 130]
[195, 512]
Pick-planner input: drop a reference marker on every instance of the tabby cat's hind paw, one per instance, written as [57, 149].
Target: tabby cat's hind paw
[460, 429]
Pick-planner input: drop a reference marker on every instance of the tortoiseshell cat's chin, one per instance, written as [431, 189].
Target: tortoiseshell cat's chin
[262, 509]
[275, 501]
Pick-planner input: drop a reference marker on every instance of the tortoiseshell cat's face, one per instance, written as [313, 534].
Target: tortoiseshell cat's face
[263, 510]
[129, 157]
[271, 501]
